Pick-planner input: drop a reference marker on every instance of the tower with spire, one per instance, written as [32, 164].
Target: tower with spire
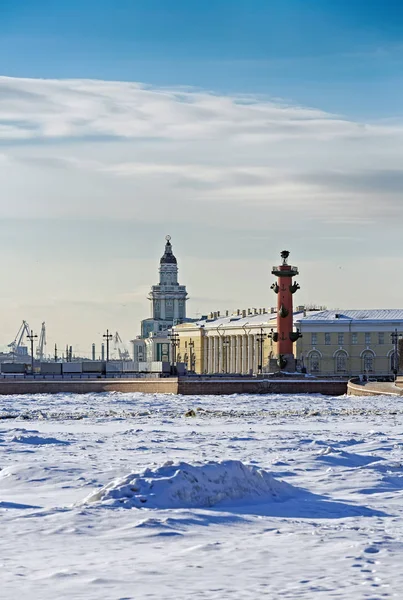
[168, 298]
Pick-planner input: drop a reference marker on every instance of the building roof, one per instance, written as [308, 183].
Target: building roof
[168, 256]
[381, 314]
[240, 321]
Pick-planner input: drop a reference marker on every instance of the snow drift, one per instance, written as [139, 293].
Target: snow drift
[183, 485]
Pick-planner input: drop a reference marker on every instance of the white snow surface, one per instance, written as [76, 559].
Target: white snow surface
[191, 486]
[294, 497]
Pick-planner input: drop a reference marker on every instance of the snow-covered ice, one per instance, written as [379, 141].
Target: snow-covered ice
[119, 496]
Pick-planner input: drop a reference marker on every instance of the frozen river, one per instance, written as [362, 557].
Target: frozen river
[256, 497]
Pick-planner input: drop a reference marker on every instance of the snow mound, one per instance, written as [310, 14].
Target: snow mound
[36, 440]
[345, 459]
[183, 485]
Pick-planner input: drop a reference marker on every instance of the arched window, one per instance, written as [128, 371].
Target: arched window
[341, 362]
[314, 362]
[368, 362]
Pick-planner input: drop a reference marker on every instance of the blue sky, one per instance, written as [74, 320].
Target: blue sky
[340, 55]
[239, 127]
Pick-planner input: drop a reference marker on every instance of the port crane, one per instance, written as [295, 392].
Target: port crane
[120, 347]
[40, 350]
[17, 343]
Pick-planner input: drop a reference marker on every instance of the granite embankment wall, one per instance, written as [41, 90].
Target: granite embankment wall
[172, 385]
[373, 388]
[187, 386]
[94, 386]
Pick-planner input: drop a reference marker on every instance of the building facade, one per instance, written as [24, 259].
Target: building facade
[349, 343]
[241, 343]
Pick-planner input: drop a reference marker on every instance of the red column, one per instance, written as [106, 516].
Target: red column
[285, 288]
[284, 313]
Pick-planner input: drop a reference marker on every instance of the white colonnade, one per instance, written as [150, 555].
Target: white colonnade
[237, 353]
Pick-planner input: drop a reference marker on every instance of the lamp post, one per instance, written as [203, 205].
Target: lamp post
[107, 336]
[174, 338]
[260, 338]
[395, 339]
[192, 356]
[225, 344]
[32, 336]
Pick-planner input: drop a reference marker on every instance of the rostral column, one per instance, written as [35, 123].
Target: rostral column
[285, 336]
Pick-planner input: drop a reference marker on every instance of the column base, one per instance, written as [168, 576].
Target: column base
[287, 364]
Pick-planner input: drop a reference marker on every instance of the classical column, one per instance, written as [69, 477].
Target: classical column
[232, 354]
[255, 354]
[217, 354]
[205, 358]
[240, 353]
[244, 354]
[236, 354]
[220, 355]
[250, 353]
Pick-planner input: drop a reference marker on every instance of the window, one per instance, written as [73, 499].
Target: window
[340, 339]
[354, 338]
[341, 362]
[368, 362]
[381, 338]
[367, 339]
[327, 339]
[314, 362]
[169, 308]
[314, 339]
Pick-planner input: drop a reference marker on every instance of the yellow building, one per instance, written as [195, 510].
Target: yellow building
[237, 343]
[349, 342]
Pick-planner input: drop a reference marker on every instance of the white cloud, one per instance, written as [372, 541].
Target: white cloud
[187, 146]
[40, 109]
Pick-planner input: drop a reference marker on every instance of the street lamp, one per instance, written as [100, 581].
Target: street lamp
[260, 339]
[107, 336]
[32, 336]
[192, 356]
[395, 339]
[174, 338]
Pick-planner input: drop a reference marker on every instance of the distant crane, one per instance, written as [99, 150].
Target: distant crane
[120, 347]
[16, 346]
[40, 350]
